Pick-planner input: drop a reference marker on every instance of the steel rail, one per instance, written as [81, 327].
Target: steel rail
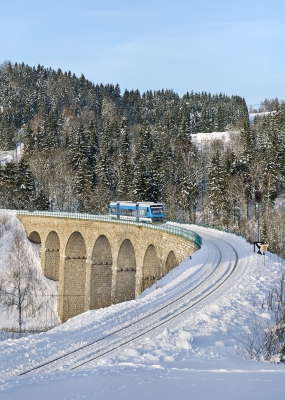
[163, 322]
[164, 318]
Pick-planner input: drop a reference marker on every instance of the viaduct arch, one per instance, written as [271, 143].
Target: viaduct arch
[99, 263]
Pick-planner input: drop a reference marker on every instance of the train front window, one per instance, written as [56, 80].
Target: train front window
[156, 210]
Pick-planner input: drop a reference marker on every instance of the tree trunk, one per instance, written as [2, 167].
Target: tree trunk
[20, 312]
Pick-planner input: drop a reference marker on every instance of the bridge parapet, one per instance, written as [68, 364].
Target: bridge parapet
[99, 261]
[172, 229]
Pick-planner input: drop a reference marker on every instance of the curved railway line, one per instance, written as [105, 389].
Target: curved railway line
[202, 287]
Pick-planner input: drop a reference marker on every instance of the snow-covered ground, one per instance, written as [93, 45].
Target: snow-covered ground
[12, 155]
[198, 355]
[202, 137]
[45, 317]
[259, 114]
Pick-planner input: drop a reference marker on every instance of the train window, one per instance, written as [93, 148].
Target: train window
[142, 213]
[157, 210]
[113, 210]
[127, 212]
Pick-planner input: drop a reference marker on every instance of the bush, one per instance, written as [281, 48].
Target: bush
[266, 340]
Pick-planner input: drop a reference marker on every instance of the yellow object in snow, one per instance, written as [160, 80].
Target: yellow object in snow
[264, 247]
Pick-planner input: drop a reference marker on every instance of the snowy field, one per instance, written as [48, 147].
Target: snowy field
[12, 155]
[203, 138]
[260, 114]
[197, 355]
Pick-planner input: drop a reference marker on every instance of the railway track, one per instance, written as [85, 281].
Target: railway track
[206, 284]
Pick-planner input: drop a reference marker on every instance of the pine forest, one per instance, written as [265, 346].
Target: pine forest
[88, 144]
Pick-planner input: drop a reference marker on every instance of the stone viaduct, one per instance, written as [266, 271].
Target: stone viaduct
[98, 263]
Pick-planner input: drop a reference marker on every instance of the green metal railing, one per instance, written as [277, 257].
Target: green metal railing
[171, 229]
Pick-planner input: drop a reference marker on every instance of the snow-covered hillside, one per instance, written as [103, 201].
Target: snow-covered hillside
[260, 114]
[203, 138]
[199, 354]
[46, 289]
[12, 155]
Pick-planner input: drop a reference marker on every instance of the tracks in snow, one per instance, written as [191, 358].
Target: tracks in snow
[211, 281]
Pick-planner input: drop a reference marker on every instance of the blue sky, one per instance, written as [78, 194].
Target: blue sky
[233, 47]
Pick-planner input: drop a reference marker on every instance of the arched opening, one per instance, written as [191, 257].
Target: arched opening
[152, 270]
[35, 238]
[171, 262]
[126, 273]
[52, 256]
[101, 274]
[74, 276]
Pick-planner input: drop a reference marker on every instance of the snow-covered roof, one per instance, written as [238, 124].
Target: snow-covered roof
[127, 203]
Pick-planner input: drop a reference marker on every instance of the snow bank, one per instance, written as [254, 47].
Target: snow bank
[47, 289]
[198, 355]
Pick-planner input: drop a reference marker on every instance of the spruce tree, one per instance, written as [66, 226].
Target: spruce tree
[219, 203]
[29, 140]
[83, 186]
[41, 202]
[141, 161]
[24, 185]
[105, 170]
[124, 163]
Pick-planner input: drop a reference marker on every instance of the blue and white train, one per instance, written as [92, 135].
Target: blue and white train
[140, 212]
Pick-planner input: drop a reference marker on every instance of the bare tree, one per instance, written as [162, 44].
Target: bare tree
[267, 339]
[18, 282]
[55, 177]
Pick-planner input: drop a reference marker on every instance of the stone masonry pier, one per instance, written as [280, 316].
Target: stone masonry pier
[102, 262]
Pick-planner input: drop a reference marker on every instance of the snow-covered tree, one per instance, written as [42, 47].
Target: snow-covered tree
[124, 163]
[219, 204]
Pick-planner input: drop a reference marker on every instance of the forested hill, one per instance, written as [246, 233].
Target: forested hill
[48, 99]
[86, 145]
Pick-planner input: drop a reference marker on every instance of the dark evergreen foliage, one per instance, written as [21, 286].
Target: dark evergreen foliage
[87, 144]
